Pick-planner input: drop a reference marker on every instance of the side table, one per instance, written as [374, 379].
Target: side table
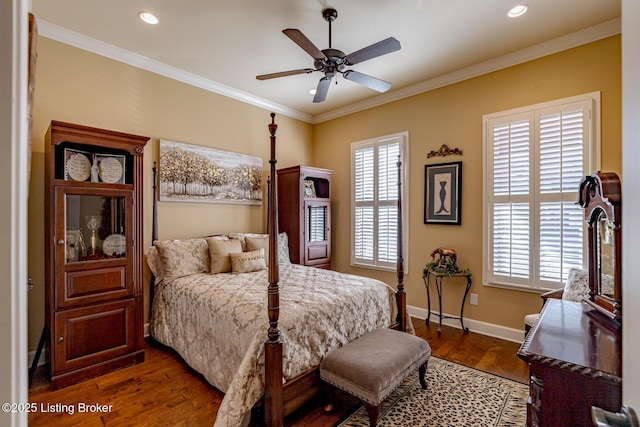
[437, 279]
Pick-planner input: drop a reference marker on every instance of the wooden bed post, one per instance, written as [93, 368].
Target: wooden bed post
[401, 296]
[274, 392]
[154, 229]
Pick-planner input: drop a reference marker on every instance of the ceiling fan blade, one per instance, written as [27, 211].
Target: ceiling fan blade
[377, 49]
[368, 81]
[322, 89]
[285, 73]
[302, 41]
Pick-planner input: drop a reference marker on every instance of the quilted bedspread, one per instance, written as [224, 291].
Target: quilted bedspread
[218, 323]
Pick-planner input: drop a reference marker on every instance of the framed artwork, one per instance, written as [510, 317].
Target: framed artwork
[442, 187]
[192, 173]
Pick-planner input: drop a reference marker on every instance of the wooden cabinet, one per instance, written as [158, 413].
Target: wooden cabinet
[575, 363]
[93, 253]
[304, 213]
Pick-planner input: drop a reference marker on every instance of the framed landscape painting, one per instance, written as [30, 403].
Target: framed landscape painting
[442, 187]
[191, 173]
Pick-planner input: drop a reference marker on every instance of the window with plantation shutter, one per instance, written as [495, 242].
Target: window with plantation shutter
[375, 200]
[535, 157]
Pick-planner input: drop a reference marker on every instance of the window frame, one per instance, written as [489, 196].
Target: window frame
[376, 264]
[591, 163]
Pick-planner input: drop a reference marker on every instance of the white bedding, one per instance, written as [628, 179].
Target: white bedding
[218, 323]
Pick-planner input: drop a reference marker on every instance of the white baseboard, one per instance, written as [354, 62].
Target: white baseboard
[484, 328]
[146, 330]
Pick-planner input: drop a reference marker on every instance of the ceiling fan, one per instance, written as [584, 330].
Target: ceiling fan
[331, 61]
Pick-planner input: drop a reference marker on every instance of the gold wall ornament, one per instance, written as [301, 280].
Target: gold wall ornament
[444, 150]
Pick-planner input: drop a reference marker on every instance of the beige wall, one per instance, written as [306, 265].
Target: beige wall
[453, 115]
[79, 87]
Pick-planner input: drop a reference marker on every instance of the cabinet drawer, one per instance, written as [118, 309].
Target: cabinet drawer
[82, 287]
[317, 252]
[86, 336]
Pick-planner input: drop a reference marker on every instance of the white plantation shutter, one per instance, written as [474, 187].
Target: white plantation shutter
[388, 201]
[364, 197]
[562, 154]
[317, 223]
[511, 240]
[375, 198]
[511, 197]
[535, 159]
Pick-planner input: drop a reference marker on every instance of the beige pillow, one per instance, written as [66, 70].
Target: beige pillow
[155, 264]
[219, 252]
[183, 257]
[246, 262]
[242, 237]
[283, 249]
[256, 243]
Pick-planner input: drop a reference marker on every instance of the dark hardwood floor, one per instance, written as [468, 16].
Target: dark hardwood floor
[164, 391]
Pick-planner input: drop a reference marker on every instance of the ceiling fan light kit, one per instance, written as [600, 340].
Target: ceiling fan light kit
[332, 61]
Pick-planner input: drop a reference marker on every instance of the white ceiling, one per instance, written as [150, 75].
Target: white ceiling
[223, 44]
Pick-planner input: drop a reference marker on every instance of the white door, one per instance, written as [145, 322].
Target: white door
[13, 209]
[630, 203]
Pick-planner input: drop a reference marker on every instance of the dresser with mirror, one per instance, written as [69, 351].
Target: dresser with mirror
[574, 351]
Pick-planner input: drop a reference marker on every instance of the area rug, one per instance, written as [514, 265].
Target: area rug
[456, 396]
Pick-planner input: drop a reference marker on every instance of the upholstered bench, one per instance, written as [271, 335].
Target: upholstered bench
[372, 366]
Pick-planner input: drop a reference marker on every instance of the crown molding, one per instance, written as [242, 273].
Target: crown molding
[588, 35]
[98, 47]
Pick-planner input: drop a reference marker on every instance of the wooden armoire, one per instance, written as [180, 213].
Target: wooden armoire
[93, 251]
[304, 213]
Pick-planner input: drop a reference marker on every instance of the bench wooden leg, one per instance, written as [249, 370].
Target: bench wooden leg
[422, 373]
[328, 392]
[373, 411]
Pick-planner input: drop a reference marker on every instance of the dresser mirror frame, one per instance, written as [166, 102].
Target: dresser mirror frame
[600, 195]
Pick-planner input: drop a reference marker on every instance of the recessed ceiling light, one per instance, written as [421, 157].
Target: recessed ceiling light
[518, 10]
[312, 91]
[148, 17]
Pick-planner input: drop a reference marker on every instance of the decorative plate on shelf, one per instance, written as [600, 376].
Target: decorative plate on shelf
[78, 167]
[114, 245]
[111, 170]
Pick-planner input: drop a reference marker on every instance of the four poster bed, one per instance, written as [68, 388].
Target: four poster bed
[251, 344]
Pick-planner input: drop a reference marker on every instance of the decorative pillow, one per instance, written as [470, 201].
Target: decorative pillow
[243, 236]
[155, 264]
[256, 243]
[283, 249]
[219, 252]
[183, 257]
[577, 286]
[246, 262]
